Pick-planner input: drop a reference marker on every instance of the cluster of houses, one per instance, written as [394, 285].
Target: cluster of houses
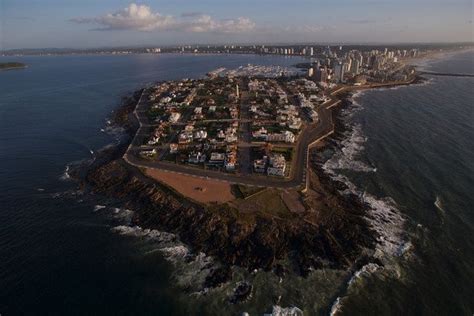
[263, 135]
[158, 134]
[210, 135]
[289, 116]
[269, 106]
[227, 160]
[204, 117]
[309, 95]
[273, 165]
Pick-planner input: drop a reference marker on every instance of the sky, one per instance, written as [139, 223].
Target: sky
[108, 23]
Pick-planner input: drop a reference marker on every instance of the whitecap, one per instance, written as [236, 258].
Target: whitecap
[285, 311]
[149, 234]
[122, 214]
[336, 307]
[99, 207]
[365, 271]
[345, 157]
[66, 175]
[190, 270]
[175, 253]
[387, 221]
[383, 215]
[438, 204]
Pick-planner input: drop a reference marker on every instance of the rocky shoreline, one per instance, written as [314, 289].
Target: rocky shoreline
[336, 235]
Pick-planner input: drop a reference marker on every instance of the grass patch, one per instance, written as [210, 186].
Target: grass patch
[287, 152]
[266, 204]
[243, 191]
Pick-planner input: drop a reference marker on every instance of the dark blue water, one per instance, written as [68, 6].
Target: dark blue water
[420, 140]
[56, 255]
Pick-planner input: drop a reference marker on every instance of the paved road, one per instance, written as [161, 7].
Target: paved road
[244, 150]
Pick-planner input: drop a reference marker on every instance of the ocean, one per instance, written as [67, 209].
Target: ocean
[57, 252]
[408, 151]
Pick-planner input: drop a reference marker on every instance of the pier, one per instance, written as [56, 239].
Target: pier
[445, 74]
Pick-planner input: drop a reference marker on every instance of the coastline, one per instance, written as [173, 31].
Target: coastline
[13, 68]
[252, 241]
[12, 65]
[386, 129]
[421, 61]
[219, 230]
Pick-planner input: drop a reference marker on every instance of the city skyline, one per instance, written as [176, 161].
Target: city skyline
[51, 23]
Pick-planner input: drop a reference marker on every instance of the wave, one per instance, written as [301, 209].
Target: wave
[365, 271]
[345, 156]
[286, 311]
[438, 204]
[388, 222]
[336, 307]
[190, 270]
[66, 175]
[117, 132]
[99, 207]
[123, 214]
[149, 234]
[383, 215]
[176, 253]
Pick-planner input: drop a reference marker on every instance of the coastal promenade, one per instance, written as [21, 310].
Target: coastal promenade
[310, 136]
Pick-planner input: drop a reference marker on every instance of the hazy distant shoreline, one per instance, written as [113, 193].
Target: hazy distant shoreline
[423, 60]
[12, 65]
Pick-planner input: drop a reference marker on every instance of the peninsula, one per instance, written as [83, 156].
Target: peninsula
[229, 163]
[11, 65]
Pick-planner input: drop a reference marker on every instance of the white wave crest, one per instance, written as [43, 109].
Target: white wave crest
[285, 311]
[190, 270]
[149, 234]
[346, 155]
[336, 307]
[66, 175]
[175, 253]
[365, 271]
[122, 214]
[383, 215]
[387, 221]
[99, 207]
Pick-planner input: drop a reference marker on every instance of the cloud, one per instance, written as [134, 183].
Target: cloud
[24, 18]
[142, 18]
[304, 29]
[134, 17]
[364, 21]
[206, 23]
[191, 14]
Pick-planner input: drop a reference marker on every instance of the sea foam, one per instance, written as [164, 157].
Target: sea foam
[285, 311]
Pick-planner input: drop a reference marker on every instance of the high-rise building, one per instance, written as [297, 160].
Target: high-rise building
[338, 70]
[321, 75]
[345, 66]
[355, 69]
[311, 51]
[310, 72]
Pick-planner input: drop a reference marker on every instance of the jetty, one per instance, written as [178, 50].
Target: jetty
[445, 74]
